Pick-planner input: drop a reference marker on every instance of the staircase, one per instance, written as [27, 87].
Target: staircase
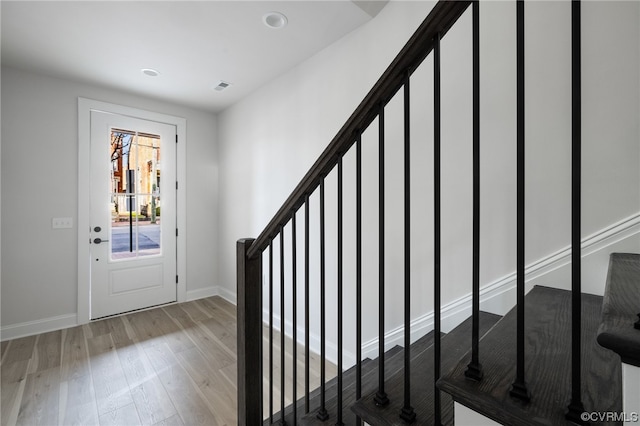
[538, 365]
[547, 346]
[455, 343]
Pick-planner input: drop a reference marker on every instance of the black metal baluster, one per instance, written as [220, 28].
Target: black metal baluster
[436, 231]
[358, 271]
[381, 398]
[306, 304]
[519, 387]
[407, 414]
[339, 291]
[322, 412]
[474, 369]
[271, 332]
[282, 330]
[576, 407]
[294, 319]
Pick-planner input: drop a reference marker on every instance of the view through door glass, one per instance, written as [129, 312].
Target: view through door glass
[136, 195]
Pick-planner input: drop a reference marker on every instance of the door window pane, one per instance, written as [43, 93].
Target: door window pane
[135, 195]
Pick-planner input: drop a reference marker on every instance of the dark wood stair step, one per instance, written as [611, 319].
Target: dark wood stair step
[314, 395]
[393, 361]
[548, 368]
[454, 345]
[369, 376]
[621, 308]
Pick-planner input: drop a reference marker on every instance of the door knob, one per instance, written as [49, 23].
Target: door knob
[97, 229]
[99, 240]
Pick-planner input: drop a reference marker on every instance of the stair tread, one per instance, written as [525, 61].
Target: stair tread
[454, 345]
[369, 374]
[548, 364]
[314, 396]
[621, 307]
[393, 362]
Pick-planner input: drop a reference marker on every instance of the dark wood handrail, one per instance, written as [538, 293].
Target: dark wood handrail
[443, 15]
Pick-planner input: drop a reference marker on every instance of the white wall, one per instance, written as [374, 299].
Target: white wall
[270, 139]
[40, 180]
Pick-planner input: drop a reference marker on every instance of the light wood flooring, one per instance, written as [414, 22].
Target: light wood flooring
[172, 365]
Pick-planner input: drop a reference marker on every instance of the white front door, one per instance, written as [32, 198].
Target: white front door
[132, 214]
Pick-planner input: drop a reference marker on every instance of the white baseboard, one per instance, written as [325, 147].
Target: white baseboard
[227, 294]
[554, 270]
[38, 326]
[499, 296]
[452, 314]
[201, 293]
[44, 325]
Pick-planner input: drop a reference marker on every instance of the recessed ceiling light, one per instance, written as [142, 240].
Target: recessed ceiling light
[275, 20]
[150, 72]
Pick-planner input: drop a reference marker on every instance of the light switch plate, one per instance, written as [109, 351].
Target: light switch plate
[62, 222]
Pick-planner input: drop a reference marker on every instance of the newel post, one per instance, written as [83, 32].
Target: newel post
[249, 335]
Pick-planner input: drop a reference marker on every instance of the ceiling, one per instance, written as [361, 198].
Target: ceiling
[193, 44]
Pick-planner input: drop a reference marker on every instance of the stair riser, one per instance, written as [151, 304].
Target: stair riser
[467, 417]
[631, 389]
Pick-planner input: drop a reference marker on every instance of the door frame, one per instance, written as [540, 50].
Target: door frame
[85, 106]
